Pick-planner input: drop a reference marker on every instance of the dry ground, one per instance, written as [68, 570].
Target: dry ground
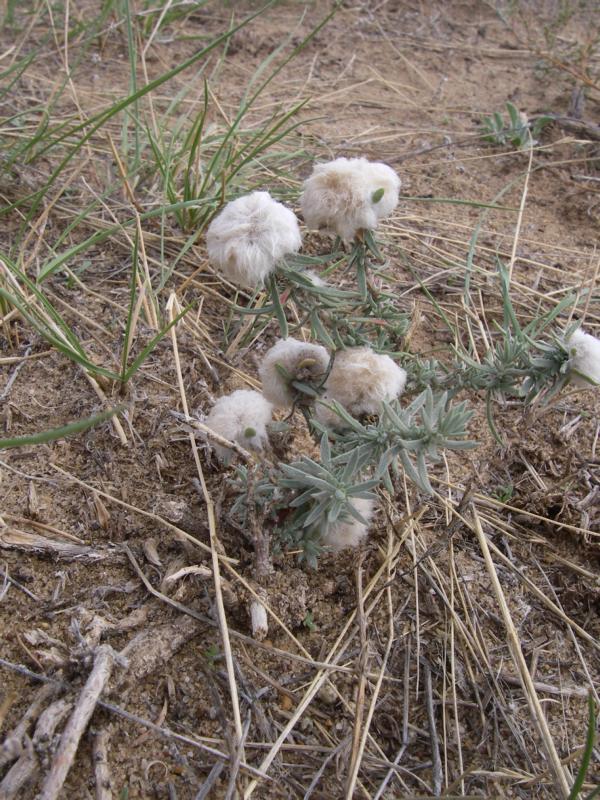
[399, 656]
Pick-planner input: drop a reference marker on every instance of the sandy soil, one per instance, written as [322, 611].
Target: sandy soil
[420, 658]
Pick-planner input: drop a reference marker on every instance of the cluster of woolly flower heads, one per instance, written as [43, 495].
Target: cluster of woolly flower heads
[360, 381]
[584, 362]
[348, 195]
[241, 417]
[250, 236]
[290, 360]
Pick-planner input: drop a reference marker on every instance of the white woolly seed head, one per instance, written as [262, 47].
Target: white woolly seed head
[250, 236]
[349, 532]
[585, 359]
[360, 380]
[241, 417]
[304, 362]
[341, 196]
[314, 278]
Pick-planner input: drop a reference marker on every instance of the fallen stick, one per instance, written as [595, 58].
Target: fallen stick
[166, 733]
[15, 539]
[101, 769]
[12, 746]
[153, 647]
[213, 777]
[25, 769]
[69, 741]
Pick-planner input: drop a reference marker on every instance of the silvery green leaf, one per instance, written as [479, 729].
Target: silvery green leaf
[411, 445]
[462, 444]
[305, 388]
[320, 331]
[409, 469]
[302, 499]
[287, 376]
[365, 495]
[365, 486]
[384, 462]
[422, 470]
[387, 481]
[353, 512]
[341, 412]
[335, 510]
[318, 512]
[325, 449]
[351, 467]
[390, 413]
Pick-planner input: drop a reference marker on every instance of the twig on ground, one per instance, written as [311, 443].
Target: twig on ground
[13, 743]
[27, 767]
[213, 777]
[121, 712]
[15, 539]
[232, 788]
[153, 647]
[104, 661]
[405, 712]
[101, 765]
[14, 375]
[9, 579]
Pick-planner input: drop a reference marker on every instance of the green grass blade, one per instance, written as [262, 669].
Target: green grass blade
[59, 433]
[588, 750]
[137, 363]
[132, 55]
[278, 308]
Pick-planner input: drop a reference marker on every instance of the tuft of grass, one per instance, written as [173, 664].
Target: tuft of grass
[517, 131]
[19, 292]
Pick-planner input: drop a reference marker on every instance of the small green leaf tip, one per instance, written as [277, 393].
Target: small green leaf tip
[377, 195]
[249, 433]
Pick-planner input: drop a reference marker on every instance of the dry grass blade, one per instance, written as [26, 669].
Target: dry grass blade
[359, 705]
[216, 548]
[537, 712]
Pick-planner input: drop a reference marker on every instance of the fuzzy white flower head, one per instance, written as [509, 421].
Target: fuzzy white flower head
[349, 194]
[241, 417]
[250, 236]
[302, 361]
[360, 381]
[349, 532]
[585, 359]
